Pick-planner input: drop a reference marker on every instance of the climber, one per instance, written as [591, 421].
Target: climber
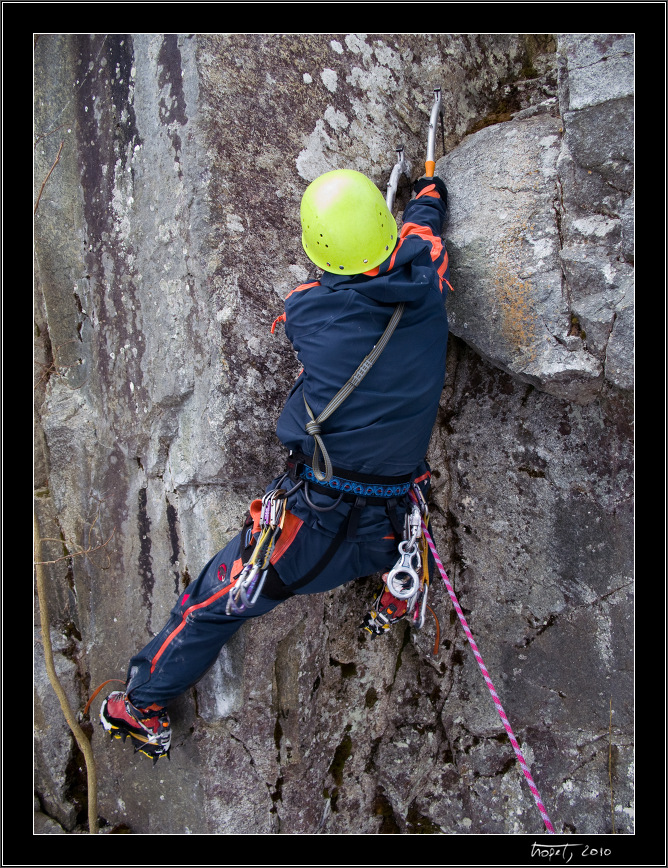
[337, 510]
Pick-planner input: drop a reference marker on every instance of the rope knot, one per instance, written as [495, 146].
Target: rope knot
[313, 428]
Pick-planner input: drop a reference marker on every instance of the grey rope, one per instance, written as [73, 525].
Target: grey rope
[314, 427]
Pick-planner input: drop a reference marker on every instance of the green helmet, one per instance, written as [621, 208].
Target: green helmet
[347, 227]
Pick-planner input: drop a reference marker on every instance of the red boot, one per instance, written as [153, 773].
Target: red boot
[148, 727]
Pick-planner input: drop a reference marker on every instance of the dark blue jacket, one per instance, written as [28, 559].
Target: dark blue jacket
[384, 426]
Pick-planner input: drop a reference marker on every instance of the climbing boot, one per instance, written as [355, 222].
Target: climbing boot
[148, 728]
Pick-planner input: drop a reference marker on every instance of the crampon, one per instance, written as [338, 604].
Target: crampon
[148, 728]
[386, 610]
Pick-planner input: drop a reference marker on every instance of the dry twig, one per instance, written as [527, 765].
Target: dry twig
[41, 189]
[93, 537]
[55, 367]
[44, 135]
[81, 551]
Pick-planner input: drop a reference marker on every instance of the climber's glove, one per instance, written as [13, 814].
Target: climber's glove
[421, 183]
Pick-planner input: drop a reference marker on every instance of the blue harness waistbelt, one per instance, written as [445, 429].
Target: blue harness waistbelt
[385, 487]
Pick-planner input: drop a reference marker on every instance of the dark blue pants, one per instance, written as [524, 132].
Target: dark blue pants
[198, 626]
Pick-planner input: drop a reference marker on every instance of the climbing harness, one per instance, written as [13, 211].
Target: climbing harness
[359, 491]
[314, 427]
[250, 581]
[384, 487]
[488, 680]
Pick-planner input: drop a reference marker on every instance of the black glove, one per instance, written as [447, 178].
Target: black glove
[421, 183]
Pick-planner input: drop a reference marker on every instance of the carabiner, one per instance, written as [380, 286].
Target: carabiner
[418, 614]
[413, 525]
[277, 513]
[247, 590]
[418, 500]
[248, 586]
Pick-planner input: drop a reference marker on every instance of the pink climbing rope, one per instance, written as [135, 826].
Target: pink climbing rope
[483, 669]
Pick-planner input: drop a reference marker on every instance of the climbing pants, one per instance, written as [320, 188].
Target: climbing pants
[312, 555]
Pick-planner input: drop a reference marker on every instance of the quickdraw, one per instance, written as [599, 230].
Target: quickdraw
[253, 575]
[406, 585]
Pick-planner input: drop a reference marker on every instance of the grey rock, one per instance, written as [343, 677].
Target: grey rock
[540, 230]
[43, 825]
[55, 749]
[166, 239]
[598, 68]
[503, 234]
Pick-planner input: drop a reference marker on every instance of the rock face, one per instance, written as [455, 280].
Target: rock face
[166, 237]
[539, 232]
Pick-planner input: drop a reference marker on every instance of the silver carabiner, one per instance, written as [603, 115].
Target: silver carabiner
[252, 591]
[403, 580]
[413, 528]
[277, 509]
[247, 590]
[418, 614]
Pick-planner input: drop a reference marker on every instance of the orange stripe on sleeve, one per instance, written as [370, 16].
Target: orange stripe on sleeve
[425, 233]
[431, 192]
[302, 287]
